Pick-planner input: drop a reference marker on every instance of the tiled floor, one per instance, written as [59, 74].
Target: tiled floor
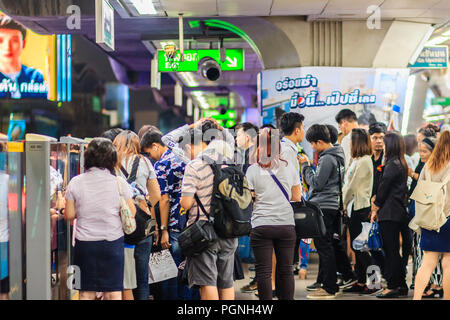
[300, 285]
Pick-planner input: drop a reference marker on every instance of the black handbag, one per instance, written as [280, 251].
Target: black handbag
[307, 215]
[145, 224]
[199, 236]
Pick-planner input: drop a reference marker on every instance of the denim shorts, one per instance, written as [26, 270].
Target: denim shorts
[215, 266]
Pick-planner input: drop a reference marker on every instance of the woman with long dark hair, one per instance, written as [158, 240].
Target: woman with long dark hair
[389, 208]
[273, 225]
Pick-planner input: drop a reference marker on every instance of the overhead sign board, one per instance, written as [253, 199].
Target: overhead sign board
[443, 101]
[234, 60]
[104, 24]
[432, 57]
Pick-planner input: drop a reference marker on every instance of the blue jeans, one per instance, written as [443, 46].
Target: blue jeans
[142, 258]
[171, 288]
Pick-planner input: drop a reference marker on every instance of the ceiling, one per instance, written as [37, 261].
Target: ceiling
[429, 11]
[134, 35]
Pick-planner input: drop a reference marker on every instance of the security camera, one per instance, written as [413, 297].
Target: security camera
[209, 69]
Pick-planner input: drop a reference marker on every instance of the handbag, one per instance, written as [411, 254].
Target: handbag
[145, 224]
[375, 242]
[199, 236]
[307, 215]
[128, 222]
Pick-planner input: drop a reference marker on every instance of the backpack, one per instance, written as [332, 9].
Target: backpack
[231, 208]
[429, 199]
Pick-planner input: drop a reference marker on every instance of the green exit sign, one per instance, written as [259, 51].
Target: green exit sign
[234, 60]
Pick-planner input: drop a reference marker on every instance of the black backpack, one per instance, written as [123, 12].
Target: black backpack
[231, 208]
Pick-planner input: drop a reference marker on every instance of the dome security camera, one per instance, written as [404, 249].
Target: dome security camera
[209, 69]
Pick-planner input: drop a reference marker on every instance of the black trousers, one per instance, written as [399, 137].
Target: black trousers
[395, 267]
[264, 240]
[332, 254]
[363, 259]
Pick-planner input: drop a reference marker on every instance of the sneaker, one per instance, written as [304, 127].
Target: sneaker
[274, 294]
[321, 294]
[356, 288]
[314, 286]
[251, 287]
[347, 283]
[296, 270]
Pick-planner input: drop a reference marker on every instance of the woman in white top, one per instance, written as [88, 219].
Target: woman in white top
[273, 225]
[145, 185]
[359, 189]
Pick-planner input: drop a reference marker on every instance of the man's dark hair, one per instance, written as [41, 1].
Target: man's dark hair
[268, 125]
[100, 153]
[333, 133]
[346, 114]
[249, 128]
[377, 127]
[318, 132]
[111, 134]
[8, 23]
[206, 133]
[145, 128]
[151, 137]
[289, 121]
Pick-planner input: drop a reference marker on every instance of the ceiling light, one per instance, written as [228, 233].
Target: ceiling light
[437, 40]
[446, 33]
[144, 7]
[188, 79]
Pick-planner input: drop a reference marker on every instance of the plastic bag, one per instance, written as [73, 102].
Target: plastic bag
[161, 267]
[361, 242]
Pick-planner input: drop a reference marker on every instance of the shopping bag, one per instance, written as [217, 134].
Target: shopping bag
[245, 251]
[161, 267]
[361, 242]
[375, 242]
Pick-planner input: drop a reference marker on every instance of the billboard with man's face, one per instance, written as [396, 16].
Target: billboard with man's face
[26, 62]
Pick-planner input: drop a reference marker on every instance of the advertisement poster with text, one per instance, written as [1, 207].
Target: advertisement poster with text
[319, 93]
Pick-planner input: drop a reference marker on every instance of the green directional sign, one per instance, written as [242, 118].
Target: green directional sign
[234, 60]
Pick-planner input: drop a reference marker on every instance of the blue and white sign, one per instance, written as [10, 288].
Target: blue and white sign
[104, 24]
[432, 57]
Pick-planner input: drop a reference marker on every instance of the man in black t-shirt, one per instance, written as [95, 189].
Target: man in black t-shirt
[377, 131]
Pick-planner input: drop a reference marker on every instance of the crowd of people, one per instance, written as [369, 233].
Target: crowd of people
[361, 175]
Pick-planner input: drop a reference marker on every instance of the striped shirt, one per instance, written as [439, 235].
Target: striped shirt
[198, 179]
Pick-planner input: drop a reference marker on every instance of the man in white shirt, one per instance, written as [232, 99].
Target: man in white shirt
[293, 128]
[347, 121]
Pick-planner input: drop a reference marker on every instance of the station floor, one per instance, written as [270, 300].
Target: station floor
[300, 285]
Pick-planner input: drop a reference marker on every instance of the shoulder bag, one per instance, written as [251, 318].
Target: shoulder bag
[307, 215]
[145, 224]
[199, 236]
[128, 222]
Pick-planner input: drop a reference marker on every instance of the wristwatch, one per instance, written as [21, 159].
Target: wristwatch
[163, 228]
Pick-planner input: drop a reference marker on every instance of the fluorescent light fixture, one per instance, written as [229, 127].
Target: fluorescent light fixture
[188, 79]
[437, 40]
[446, 33]
[435, 118]
[408, 103]
[144, 7]
[421, 44]
[200, 98]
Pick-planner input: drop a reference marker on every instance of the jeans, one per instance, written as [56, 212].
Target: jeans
[264, 240]
[172, 289]
[142, 257]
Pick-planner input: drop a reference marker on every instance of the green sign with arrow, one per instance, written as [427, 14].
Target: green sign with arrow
[234, 60]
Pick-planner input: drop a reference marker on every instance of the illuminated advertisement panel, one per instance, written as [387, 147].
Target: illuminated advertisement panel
[29, 65]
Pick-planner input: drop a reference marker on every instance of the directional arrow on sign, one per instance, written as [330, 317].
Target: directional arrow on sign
[232, 63]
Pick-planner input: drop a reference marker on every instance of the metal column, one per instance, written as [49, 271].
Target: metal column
[38, 231]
